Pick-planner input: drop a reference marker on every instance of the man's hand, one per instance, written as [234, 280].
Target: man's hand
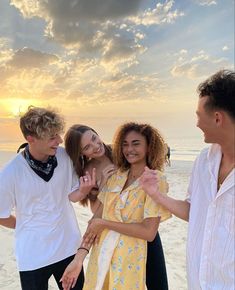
[149, 181]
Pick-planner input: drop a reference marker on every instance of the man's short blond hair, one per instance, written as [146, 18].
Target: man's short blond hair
[41, 122]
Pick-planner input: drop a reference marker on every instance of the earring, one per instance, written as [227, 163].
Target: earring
[82, 161]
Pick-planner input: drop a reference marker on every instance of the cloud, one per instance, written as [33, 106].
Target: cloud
[183, 51]
[100, 41]
[28, 58]
[199, 65]
[29, 8]
[77, 22]
[161, 14]
[123, 87]
[25, 72]
[121, 48]
[95, 10]
[25, 84]
[225, 48]
[206, 2]
[105, 29]
[34, 74]
[5, 50]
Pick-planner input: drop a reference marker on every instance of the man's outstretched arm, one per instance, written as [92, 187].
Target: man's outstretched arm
[179, 208]
[149, 183]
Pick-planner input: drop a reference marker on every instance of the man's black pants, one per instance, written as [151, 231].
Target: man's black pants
[38, 279]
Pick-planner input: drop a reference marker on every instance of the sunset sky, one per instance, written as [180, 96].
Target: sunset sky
[104, 62]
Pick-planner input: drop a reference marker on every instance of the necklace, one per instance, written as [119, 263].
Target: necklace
[132, 178]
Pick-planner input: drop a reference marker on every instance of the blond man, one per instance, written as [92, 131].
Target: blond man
[36, 183]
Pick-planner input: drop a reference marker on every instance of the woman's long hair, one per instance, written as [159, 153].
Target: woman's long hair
[73, 148]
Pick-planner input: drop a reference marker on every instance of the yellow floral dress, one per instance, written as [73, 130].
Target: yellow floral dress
[123, 256]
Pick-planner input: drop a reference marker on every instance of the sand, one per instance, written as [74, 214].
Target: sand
[173, 234]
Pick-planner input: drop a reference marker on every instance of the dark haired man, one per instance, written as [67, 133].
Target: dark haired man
[209, 207]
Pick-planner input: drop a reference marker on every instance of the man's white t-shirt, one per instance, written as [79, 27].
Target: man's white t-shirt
[46, 226]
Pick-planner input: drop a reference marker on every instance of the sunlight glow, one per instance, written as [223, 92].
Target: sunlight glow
[16, 107]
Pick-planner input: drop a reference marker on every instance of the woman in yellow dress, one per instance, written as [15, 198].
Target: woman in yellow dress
[129, 216]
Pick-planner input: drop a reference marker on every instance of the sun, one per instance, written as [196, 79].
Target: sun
[16, 107]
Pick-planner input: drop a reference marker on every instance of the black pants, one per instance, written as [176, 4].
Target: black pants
[38, 279]
[156, 276]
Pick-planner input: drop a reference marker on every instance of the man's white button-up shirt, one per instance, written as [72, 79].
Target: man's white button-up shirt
[210, 247]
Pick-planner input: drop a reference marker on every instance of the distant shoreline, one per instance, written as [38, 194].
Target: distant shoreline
[176, 164]
[181, 149]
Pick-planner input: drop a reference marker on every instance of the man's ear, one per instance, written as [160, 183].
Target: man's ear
[30, 139]
[218, 118]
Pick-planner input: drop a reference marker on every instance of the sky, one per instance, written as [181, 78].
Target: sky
[105, 62]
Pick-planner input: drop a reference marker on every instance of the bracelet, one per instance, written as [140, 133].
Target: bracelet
[83, 248]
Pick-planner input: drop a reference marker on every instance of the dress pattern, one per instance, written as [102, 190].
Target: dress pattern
[119, 261]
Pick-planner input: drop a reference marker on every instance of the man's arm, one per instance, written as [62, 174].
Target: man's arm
[9, 222]
[149, 183]
[179, 208]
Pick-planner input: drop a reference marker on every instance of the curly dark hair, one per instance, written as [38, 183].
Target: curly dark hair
[220, 88]
[72, 142]
[155, 142]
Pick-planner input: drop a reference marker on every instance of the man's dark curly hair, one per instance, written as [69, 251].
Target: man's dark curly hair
[220, 88]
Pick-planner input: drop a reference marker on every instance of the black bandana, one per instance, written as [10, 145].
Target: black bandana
[22, 146]
[43, 169]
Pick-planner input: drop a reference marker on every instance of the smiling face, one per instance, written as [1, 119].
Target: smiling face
[91, 145]
[135, 148]
[42, 148]
[206, 121]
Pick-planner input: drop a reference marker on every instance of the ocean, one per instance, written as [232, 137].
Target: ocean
[181, 149]
[186, 149]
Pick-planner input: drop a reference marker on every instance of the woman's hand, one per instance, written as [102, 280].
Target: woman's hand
[71, 273]
[87, 182]
[94, 230]
[106, 173]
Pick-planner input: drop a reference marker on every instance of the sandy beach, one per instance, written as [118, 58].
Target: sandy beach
[173, 234]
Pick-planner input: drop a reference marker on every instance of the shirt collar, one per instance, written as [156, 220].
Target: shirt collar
[214, 158]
